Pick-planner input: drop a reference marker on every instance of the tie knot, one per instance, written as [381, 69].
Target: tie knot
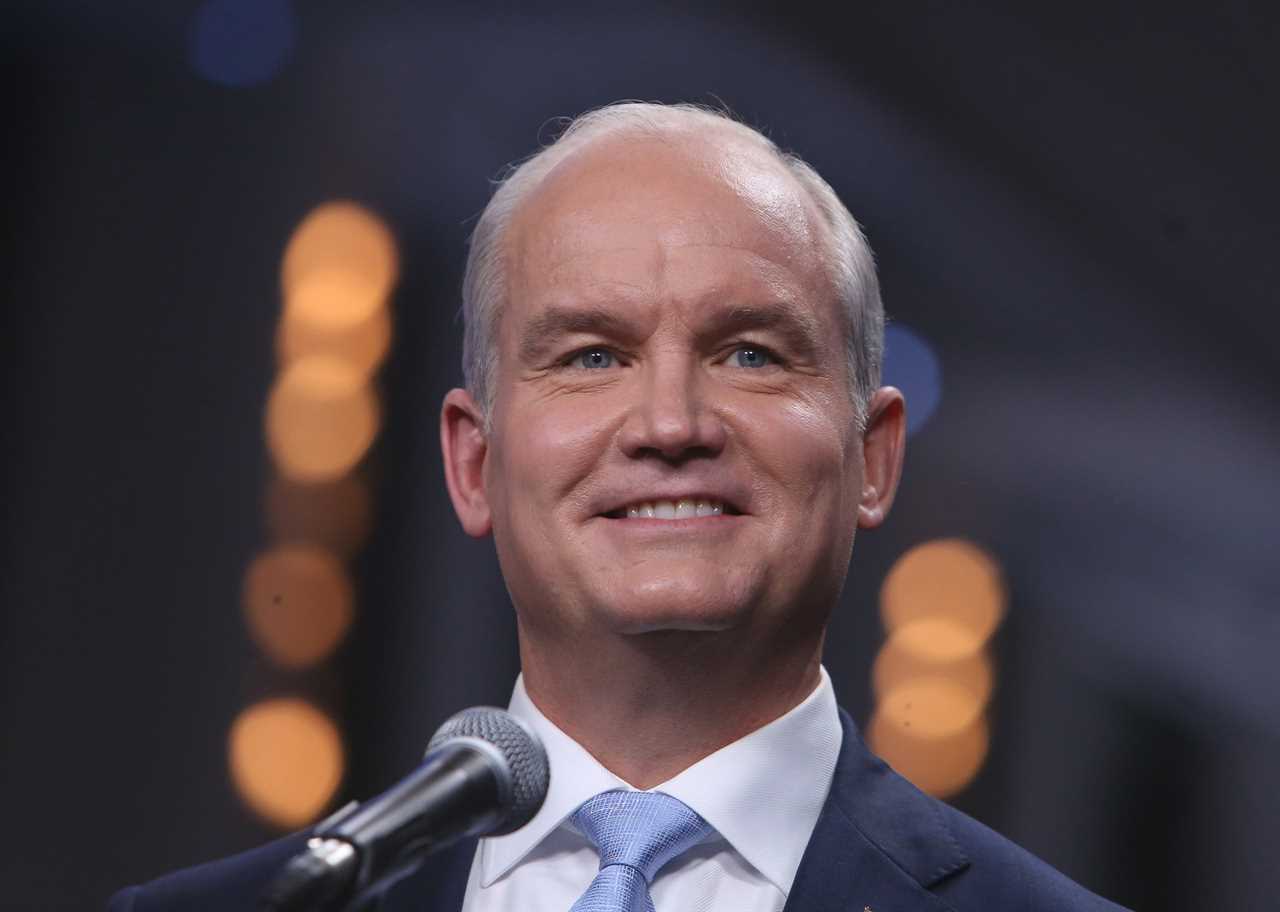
[643, 830]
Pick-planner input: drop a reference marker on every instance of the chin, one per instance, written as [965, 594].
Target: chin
[671, 606]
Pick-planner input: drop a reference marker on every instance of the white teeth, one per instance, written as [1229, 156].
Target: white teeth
[675, 509]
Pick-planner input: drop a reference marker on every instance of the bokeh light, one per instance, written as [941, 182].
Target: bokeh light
[898, 663]
[337, 515]
[286, 760]
[333, 301]
[240, 43]
[941, 602]
[298, 602]
[363, 345]
[322, 415]
[946, 578]
[339, 267]
[911, 365]
[931, 707]
[939, 766]
[321, 418]
[938, 639]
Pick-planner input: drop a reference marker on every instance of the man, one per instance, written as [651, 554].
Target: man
[673, 427]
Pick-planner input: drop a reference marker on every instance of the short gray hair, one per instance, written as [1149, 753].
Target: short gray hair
[484, 283]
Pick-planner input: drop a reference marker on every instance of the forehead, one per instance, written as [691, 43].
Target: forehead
[630, 209]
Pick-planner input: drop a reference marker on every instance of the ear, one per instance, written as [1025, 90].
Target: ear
[465, 448]
[883, 446]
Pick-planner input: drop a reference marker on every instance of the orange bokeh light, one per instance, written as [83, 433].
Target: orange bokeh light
[937, 640]
[286, 760]
[298, 603]
[939, 766]
[339, 266]
[321, 418]
[334, 302]
[899, 663]
[362, 344]
[949, 578]
[931, 707]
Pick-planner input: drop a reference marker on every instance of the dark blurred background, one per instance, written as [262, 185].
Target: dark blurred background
[1074, 210]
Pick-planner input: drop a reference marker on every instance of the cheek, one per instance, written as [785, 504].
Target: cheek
[547, 448]
[808, 452]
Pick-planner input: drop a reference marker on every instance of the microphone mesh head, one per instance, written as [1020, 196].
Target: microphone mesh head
[526, 759]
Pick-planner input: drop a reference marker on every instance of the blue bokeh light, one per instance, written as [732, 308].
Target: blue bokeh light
[911, 365]
[242, 43]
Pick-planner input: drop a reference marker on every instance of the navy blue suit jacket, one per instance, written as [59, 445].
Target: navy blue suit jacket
[879, 845]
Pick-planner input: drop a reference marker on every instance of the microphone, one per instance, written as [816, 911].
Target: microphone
[485, 774]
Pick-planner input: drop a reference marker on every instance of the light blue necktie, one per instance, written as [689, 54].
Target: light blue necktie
[637, 833]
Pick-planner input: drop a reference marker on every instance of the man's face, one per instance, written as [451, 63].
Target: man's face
[671, 346]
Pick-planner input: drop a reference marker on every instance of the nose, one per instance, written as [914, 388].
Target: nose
[674, 415]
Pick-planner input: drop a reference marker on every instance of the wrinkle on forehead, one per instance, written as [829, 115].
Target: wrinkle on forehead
[646, 195]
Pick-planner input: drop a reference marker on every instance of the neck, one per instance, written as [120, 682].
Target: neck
[648, 706]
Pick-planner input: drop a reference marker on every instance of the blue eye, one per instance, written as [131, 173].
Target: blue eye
[594, 358]
[748, 356]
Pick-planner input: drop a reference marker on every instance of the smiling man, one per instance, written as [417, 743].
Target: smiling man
[668, 447]
[673, 427]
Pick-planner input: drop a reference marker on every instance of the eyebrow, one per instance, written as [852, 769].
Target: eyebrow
[542, 331]
[801, 330]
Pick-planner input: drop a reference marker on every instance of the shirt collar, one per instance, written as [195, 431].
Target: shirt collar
[575, 777]
[763, 793]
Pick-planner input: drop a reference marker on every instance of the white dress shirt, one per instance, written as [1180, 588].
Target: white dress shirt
[762, 794]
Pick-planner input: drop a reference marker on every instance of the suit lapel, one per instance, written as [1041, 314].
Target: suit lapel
[879, 844]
